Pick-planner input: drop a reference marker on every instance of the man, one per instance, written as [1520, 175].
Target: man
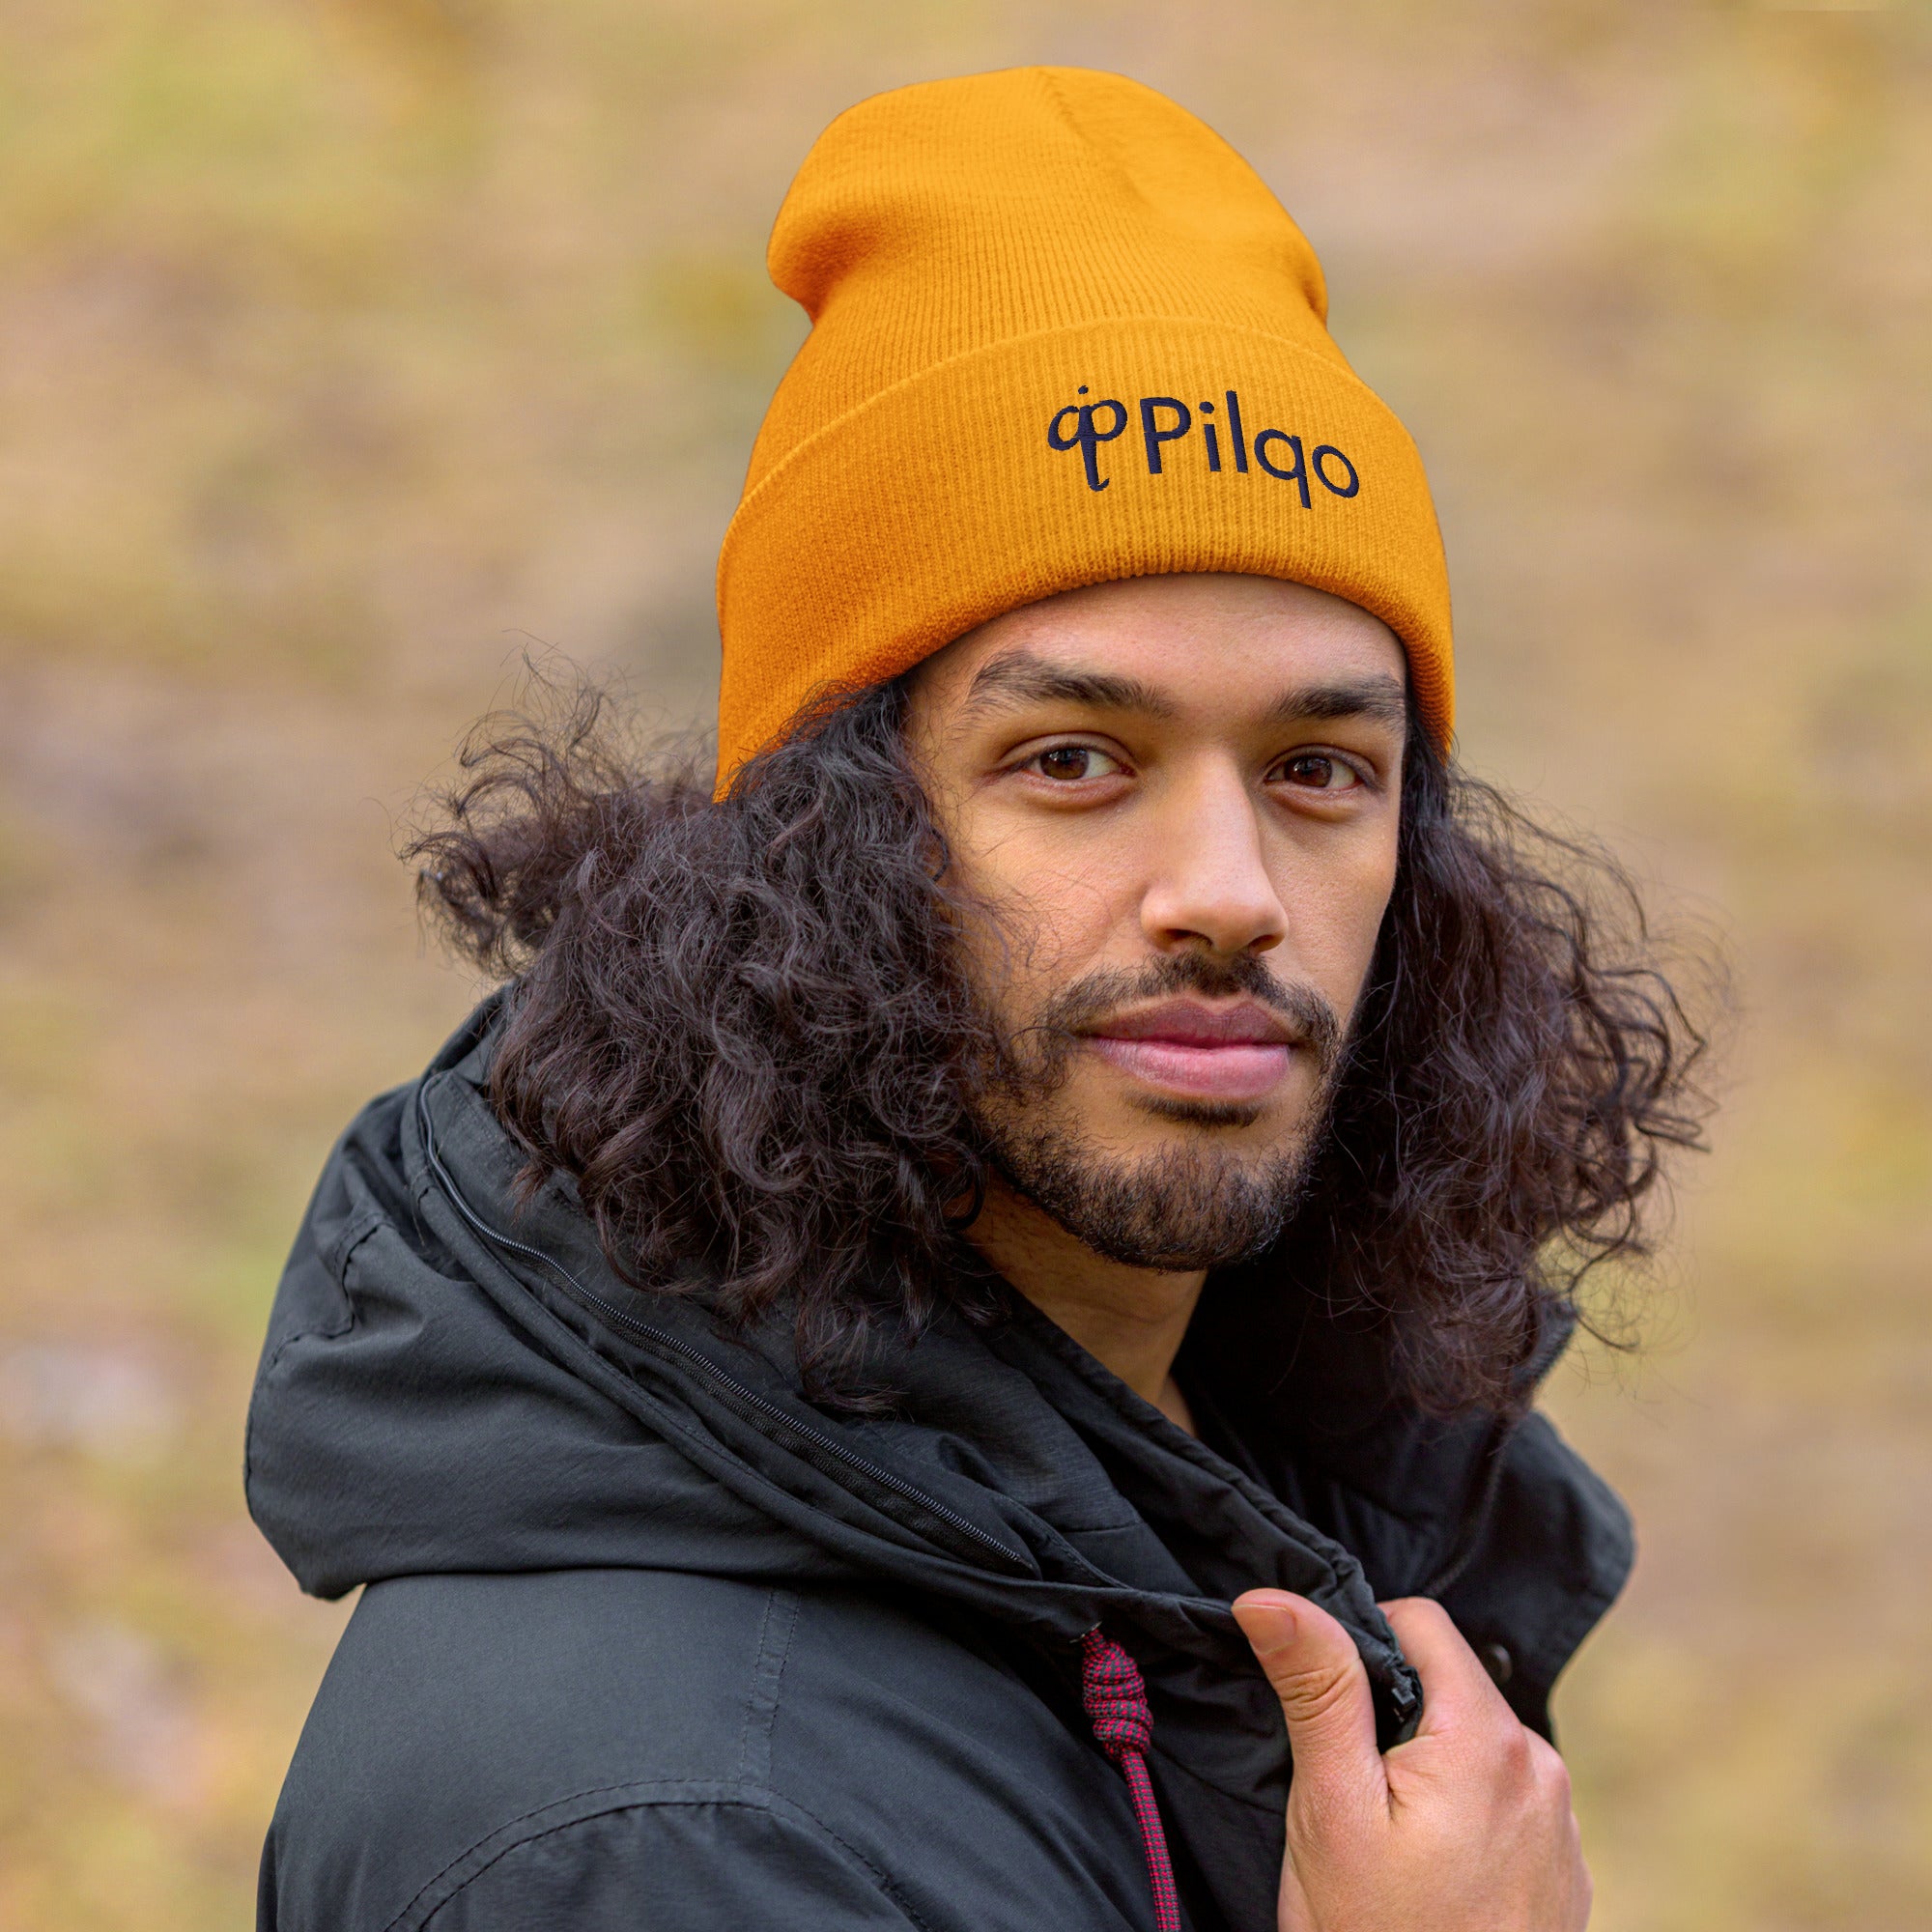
[880, 1381]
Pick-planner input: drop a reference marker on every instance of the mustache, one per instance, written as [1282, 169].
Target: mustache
[1076, 1008]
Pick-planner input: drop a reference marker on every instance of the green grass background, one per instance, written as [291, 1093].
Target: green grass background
[349, 346]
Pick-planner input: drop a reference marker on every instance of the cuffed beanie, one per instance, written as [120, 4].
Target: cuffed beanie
[1061, 333]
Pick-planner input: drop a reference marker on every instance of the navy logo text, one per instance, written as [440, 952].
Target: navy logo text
[1165, 420]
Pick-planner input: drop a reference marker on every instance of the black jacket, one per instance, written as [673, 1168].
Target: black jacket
[648, 1640]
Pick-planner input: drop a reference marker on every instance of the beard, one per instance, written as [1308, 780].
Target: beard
[1200, 1203]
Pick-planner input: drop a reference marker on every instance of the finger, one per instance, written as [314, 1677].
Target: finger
[1455, 1688]
[1312, 1662]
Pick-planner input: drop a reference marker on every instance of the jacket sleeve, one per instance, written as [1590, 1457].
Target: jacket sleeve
[668, 1865]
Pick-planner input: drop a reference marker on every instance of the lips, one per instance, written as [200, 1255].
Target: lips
[1238, 1053]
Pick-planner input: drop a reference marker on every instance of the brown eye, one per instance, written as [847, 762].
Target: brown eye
[1314, 771]
[1070, 763]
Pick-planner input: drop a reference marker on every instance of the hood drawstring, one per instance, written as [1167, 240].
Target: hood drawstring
[1112, 1689]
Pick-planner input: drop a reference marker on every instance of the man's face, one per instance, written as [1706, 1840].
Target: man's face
[1179, 797]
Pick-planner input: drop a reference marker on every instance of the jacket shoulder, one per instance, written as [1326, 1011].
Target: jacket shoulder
[1556, 1549]
[465, 1711]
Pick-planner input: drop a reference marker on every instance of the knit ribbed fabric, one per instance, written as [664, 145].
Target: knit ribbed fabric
[1061, 333]
[1115, 1695]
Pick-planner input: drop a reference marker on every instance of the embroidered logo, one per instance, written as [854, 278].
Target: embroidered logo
[1167, 419]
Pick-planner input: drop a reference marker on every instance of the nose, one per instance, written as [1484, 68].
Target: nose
[1209, 883]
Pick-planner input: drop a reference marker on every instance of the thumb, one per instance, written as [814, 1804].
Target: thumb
[1312, 1662]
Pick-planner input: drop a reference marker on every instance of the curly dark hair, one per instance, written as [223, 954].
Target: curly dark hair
[741, 1026]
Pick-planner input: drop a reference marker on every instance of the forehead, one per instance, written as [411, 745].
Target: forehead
[1219, 641]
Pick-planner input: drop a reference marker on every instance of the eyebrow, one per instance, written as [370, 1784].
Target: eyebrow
[1016, 677]
[1381, 697]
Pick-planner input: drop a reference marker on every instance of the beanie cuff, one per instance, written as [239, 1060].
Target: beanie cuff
[1079, 455]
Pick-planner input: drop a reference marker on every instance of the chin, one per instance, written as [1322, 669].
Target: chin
[1170, 1201]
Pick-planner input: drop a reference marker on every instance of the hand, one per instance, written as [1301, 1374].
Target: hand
[1466, 1828]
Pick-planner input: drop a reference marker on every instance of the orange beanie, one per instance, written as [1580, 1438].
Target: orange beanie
[1061, 333]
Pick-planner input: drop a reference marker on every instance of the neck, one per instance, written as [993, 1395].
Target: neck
[1130, 1319]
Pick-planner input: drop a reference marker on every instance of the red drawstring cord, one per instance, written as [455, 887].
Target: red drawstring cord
[1117, 1707]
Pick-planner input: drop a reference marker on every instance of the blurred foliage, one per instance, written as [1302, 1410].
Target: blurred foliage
[353, 345]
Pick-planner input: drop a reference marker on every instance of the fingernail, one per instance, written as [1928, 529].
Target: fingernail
[1274, 1612]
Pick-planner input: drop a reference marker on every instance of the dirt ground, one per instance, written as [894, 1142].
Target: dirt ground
[351, 350]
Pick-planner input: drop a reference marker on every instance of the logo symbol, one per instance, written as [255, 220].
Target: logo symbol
[1086, 435]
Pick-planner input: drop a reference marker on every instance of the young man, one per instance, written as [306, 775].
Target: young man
[881, 1379]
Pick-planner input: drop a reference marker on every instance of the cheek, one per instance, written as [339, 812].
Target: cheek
[1049, 916]
[1335, 919]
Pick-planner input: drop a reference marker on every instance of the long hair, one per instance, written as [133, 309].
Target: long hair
[741, 1026]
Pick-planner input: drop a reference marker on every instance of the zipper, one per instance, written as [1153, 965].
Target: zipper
[663, 1338]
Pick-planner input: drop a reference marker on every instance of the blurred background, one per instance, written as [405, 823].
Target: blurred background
[351, 347]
